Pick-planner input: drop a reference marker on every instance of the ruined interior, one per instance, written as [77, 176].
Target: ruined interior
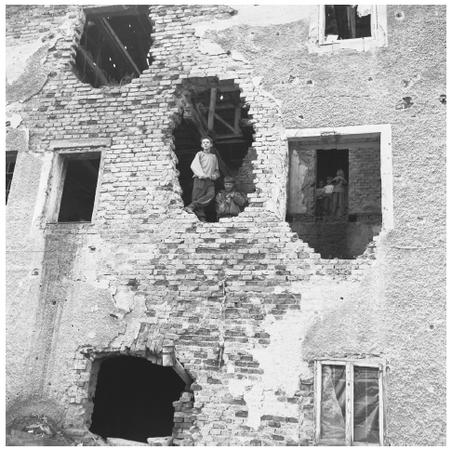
[114, 46]
[314, 161]
[347, 22]
[134, 399]
[214, 108]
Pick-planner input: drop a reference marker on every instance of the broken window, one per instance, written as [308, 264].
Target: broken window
[134, 399]
[79, 174]
[10, 164]
[114, 46]
[215, 108]
[334, 195]
[347, 22]
[349, 402]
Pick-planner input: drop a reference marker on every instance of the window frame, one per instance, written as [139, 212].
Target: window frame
[349, 377]
[11, 157]
[61, 157]
[378, 38]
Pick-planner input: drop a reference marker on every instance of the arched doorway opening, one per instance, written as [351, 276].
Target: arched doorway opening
[134, 399]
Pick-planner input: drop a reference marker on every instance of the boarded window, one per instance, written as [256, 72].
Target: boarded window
[80, 173]
[349, 403]
[9, 166]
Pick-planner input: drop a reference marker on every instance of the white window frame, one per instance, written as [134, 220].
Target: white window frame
[61, 158]
[349, 430]
[384, 130]
[378, 38]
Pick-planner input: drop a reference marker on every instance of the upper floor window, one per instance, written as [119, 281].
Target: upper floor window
[359, 27]
[349, 402]
[347, 22]
[9, 166]
[114, 46]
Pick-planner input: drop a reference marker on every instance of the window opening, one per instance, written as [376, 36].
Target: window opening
[134, 399]
[80, 174]
[349, 403]
[214, 108]
[347, 22]
[334, 193]
[114, 46]
[9, 166]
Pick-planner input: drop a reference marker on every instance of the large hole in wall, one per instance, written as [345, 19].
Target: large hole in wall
[114, 46]
[134, 398]
[214, 108]
[334, 196]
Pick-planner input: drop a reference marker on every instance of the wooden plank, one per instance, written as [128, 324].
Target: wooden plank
[198, 120]
[225, 137]
[351, 17]
[213, 101]
[381, 404]
[317, 398]
[87, 60]
[108, 31]
[237, 115]
[349, 403]
[178, 368]
[220, 119]
[114, 10]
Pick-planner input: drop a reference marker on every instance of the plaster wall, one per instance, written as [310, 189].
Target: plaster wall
[245, 305]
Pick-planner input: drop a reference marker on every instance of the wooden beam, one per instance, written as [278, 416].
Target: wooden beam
[238, 111]
[178, 368]
[220, 119]
[213, 101]
[115, 10]
[351, 18]
[87, 59]
[198, 119]
[219, 106]
[106, 28]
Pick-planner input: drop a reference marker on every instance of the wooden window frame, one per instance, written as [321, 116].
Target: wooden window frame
[11, 157]
[378, 27]
[349, 379]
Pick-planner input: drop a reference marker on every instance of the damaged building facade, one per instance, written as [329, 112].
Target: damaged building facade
[285, 325]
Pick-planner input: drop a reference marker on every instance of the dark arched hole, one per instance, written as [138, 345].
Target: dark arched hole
[230, 127]
[133, 399]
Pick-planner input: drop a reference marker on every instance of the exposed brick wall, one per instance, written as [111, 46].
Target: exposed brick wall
[240, 301]
[364, 188]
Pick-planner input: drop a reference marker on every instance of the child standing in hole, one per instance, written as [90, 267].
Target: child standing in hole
[205, 172]
[328, 196]
[339, 194]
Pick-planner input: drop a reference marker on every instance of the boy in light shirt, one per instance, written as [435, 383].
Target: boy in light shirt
[205, 169]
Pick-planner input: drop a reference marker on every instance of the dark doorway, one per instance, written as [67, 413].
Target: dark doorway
[347, 21]
[134, 399]
[79, 190]
[328, 163]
